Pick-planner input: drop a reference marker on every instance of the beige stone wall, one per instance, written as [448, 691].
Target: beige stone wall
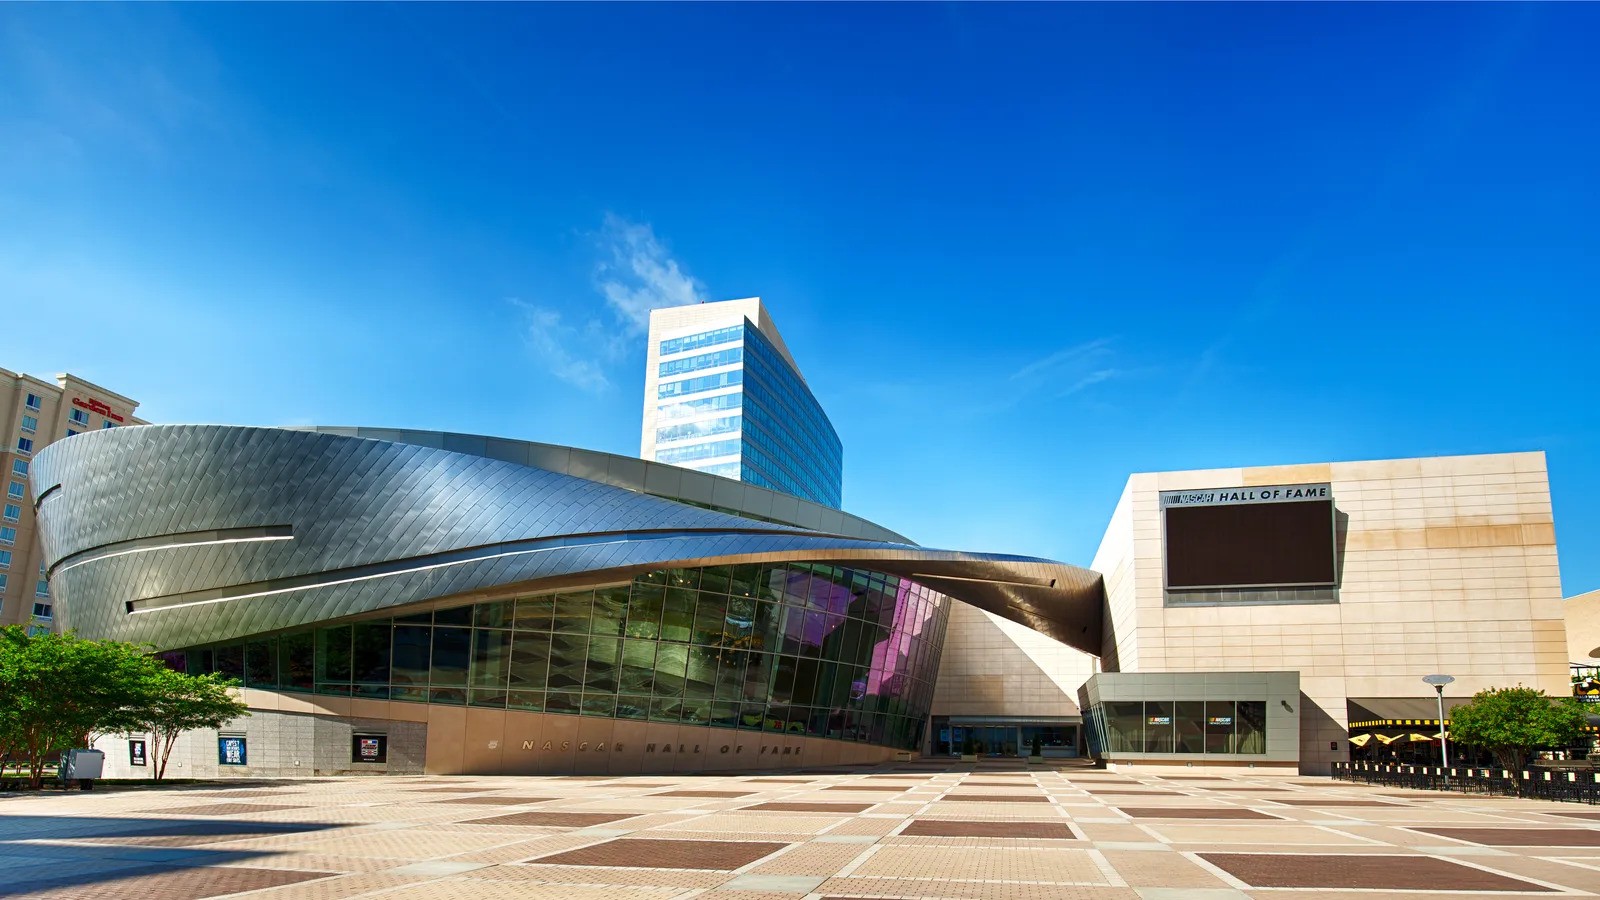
[991, 666]
[1114, 560]
[1449, 565]
[470, 741]
[1582, 615]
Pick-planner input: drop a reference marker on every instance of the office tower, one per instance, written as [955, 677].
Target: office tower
[723, 395]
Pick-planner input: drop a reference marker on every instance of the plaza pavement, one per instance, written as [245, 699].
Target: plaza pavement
[910, 830]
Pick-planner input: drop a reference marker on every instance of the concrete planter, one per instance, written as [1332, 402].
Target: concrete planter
[969, 757]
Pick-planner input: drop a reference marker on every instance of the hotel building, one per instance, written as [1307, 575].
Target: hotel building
[35, 414]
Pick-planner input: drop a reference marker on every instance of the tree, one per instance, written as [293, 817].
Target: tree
[179, 703]
[1511, 723]
[56, 689]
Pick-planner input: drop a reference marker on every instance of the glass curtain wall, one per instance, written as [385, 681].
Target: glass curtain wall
[797, 648]
[1182, 726]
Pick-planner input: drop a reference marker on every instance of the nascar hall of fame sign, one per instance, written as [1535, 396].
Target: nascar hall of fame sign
[136, 755]
[1275, 493]
[231, 751]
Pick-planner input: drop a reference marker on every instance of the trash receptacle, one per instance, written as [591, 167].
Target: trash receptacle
[82, 766]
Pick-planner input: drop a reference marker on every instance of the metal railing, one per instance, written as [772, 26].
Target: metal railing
[1566, 785]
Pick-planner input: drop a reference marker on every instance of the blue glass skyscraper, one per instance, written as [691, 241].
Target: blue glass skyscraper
[724, 396]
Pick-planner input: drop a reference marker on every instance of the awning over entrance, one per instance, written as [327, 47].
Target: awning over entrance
[1399, 712]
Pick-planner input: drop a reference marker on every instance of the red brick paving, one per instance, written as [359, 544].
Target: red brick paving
[848, 808]
[954, 828]
[554, 819]
[220, 809]
[996, 798]
[1521, 837]
[651, 853]
[495, 801]
[1221, 812]
[1397, 873]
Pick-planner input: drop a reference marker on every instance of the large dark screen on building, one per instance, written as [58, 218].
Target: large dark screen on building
[1250, 545]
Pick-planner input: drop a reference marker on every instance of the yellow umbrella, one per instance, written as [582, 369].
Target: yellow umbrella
[1386, 738]
[1414, 737]
[1360, 740]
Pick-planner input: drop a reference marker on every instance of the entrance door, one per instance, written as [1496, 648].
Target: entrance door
[999, 740]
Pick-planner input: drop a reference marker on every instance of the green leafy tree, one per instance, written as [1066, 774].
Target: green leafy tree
[179, 703]
[57, 689]
[1512, 723]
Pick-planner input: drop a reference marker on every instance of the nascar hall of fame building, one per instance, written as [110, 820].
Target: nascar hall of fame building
[402, 602]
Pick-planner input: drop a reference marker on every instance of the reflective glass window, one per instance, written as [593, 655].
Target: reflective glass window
[369, 658]
[567, 654]
[296, 661]
[573, 611]
[452, 651]
[333, 654]
[677, 618]
[534, 613]
[1158, 727]
[638, 667]
[644, 608]
[409, 661]
[491, 666]
[530, 660]
[1219, 726]
[494, 615]
[604, 667]
[1250, 726]
[671, 666]
[1189, 726]
[1124, 722]
[610, 610]
[261, 664]
[230, 661]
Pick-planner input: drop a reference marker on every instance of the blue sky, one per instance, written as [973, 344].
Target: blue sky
[1020, 251]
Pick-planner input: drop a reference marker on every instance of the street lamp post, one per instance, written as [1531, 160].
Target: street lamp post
[1438, 682]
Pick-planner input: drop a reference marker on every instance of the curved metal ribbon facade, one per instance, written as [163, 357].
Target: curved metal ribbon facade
[177, 535]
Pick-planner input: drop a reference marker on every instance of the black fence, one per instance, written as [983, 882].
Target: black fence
[1568, 785]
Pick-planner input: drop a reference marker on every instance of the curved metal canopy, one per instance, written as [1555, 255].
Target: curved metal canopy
[183, 534]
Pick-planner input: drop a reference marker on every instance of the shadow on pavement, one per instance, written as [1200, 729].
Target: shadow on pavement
[46, 853]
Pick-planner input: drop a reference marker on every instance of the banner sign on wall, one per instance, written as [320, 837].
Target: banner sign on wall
[135, 752]
[369, 748]
[231, 751]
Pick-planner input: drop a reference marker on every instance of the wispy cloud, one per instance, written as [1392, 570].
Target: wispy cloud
[636, 273]
[1066, 358]
[562, 348]
[1093, 378]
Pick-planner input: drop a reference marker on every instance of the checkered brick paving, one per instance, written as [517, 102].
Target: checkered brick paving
[927, 829]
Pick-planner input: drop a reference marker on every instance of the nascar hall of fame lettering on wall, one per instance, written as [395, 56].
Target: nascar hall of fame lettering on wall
[1278, 493]
[651, 747]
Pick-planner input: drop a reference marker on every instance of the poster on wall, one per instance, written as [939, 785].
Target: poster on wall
[135, 752]
[231, 751]
[370, 748]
